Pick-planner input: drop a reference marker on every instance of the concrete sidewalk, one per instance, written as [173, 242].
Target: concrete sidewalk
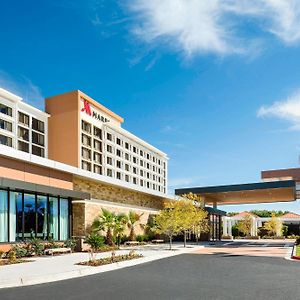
[49, 269]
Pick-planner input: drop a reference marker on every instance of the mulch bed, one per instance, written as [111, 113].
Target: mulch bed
[6, 262]
[109, 260]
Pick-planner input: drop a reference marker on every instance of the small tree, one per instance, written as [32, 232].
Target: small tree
[245, 225]
[95, 241]
[119, 227]
[167, 222]
[133, 219]
[273, 226]
[200, 223]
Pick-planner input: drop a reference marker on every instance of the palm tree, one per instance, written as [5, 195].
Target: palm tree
[119, 228]
[133, 218]
[106, 221]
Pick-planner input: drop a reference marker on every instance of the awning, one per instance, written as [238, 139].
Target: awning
[250, 193]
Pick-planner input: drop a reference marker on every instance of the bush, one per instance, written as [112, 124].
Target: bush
[124, 239]
[19, 251]
[35, 247]
[298, 241]
[71, 243]
[95, 241]
[143, 238]
[52, 244]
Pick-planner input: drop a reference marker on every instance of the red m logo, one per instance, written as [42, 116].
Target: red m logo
[86, 108]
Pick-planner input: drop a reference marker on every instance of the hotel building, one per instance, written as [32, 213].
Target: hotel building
[58, 168]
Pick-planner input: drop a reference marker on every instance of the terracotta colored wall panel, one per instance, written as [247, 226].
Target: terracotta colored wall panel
[63, 128]
[24, 171]
[282, 174]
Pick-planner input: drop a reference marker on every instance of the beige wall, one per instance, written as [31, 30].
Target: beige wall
[20, 170]
[64, 128]
[117, 194]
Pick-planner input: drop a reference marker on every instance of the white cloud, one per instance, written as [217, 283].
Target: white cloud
[199, 26]
[23, 87]
[287, 109]
[183, 182]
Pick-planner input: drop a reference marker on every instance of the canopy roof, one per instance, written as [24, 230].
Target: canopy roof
[250, 193]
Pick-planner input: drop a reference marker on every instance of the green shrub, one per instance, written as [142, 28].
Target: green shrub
[298, 241]
[2, 254]
[71, 243]
[124, 239]
[12, 256]
[35, 246]
[143, 238]
[95, 241]
[52, 244]
[19, 251]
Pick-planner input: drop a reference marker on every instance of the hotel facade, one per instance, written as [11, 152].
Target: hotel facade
[58, 168]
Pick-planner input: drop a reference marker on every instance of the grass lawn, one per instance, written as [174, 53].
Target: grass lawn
[298, 250]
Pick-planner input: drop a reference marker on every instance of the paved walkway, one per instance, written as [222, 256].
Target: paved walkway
[266, 248]
[49, 269]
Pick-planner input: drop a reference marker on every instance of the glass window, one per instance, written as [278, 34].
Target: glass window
[5, 110]
[109, 136]
[97, 145]
[53, 218]
[24, 119]
[119, 141]
[64, 219]
[97, 169]
[97, 158]
[3, 216]
[118, 152]
[109, 160]
[86, 165]
[5, 140]
[119, 164]
[41, 211]
[86, 127]
[109, 148]
[5, 125]
[13, 197]
[38, 125]
[97, 132]
[23, 146]
[109, 172]
[86, 153]
[38, 151]
[29, 216]
[38, 138]
[23, 133]
[86, 140]
[118, 175]
[127, 145]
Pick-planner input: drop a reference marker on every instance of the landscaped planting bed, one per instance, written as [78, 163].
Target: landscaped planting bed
[110, 260]
[6, 262]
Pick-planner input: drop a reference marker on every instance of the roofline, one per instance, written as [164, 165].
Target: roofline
[238, 187]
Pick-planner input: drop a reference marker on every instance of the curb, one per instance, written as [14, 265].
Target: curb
[26, 281]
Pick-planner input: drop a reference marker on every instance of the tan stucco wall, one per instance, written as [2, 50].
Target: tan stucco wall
[116, 194]
[64, 128]
[21, 170]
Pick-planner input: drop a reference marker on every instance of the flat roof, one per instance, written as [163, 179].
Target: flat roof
[249, 193]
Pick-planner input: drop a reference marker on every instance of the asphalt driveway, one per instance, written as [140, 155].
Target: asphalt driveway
[186, 276]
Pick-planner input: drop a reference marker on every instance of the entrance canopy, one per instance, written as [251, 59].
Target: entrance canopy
[250, 193]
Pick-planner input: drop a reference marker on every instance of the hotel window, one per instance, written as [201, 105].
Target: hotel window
[23, 146]
[134, 180]
[5, 110]
[126, 167]
[119, 153]
[134, 159]
[38, 138]
[5, 140]
[148, 166]
[141, 172]
[38, 125]
[153, 159]
[86, 165]
[153, 168]
[109, 136]
[97, 158]
[38, 151]
[97, 169]
[134, 170]
[148, 185]
[148, 156]
[141, 153]
[141, 163]
[126, 145]
[126, 178]
[109, 160]
[142, 182]
[119, 164]
[23, 119]
[148, 175]
[23, 133]
[119, 175]
[86, 140]
[86, 153]
[134, 149]
[109, 172]
[98, 132]
[153, 177]
[86, 127]
[119, 142]
[109, 148]
[5, 125]
[126, 156]
[98, 145]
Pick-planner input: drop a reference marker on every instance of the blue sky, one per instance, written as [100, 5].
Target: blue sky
[215, 84]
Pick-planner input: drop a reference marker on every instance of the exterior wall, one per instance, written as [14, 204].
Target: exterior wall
[21, 170]
[85, 212]
[117, 194]
[63, 128]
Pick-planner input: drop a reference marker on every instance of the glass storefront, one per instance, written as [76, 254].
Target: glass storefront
[27, 215]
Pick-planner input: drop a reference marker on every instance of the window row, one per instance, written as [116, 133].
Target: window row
[87, 128]
[26, 216]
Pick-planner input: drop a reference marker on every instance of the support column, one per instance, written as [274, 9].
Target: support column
[225, 226]
[215, 204]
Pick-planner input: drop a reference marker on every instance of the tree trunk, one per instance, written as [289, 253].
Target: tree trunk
[132, 234]
[109, 238]
[170, 237]
[184, 238]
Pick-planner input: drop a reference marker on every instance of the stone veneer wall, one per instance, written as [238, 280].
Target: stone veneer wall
[117, 194]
